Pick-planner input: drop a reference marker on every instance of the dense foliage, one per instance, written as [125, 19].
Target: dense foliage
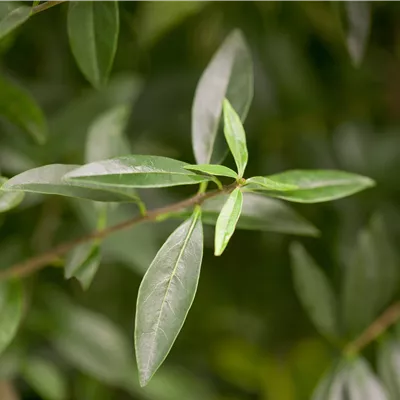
[108, 111]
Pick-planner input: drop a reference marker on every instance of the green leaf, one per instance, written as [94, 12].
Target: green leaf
[83, 263]
[389, 367]
[135, 171]
[358, 28]
[370, 279]
[227, 220]
[230, 75]
[166, 294]
[93, 29]
[213, 169]
[45, 378]
[332, 384]
[258, 213]
[315, 292]
[11, 302]
[12, 16]
[19, 107]
[48, 180]
[316, 186]
[9, 200]
[235, 137]
[105, 138]
[264, 183]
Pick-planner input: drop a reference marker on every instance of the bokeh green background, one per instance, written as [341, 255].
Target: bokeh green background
[246, 337]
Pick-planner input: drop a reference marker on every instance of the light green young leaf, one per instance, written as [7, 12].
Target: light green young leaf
[389, 366]
[45, 378]
[213, 169]
[105, 138]
[264, 183]
[235, 137]
[19, 107]
[315, 292]
[135, 171]
[166, 294]
[227, 220]
[370, 279]
[11, 16]
[230, 75]
[11, 299]
[9, 200]
[48, 180]
[83, 263]
[258, 213]
[316, 186]
[93, 28]
[358, 28]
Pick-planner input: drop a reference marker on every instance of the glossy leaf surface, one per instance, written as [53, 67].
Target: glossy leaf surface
[9, 200]
[135, 171]
[227, 220]
[12, 16]
[389, 366]
[213, 169]
[264, 183]
[228, 75]
[166, 294]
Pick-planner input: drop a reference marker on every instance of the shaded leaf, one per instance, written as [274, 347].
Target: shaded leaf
[19, 107]
[93, 29]
[235, 137]
[45, 378]
[213, 169]
[227, 220]
[48, 180]
[258, 213]
[264, 183]
[314, 291]
[229, 74]
[134, 171]
[358, 27]
[105, 138]
[389, 366]
[11, 299]
[83, 263]
[12, 16]
[318, 185]
[166, 294]
[370, 278]
[9, 200]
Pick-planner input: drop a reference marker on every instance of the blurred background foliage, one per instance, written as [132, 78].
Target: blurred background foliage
[316, 105]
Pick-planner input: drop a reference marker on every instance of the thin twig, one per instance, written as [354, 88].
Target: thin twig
[45, 6]
[36, 263]
[380, 325]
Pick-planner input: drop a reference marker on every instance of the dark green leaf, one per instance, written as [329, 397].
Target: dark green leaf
[105, 138]
[315, 292]
[213, 169]
[227, 220]
[358, 27]
[371, 278]
[264, 183]
[230, 75]
[11, 16]
[83, 263]
[166, 294]
[235, 137]
[45, 378]
[258, 213]
[389, 367]
[48, 180]
[9, 200]
[315, 186]
[134, 171]
[19, 107]
[93, 28]
[11, 302]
